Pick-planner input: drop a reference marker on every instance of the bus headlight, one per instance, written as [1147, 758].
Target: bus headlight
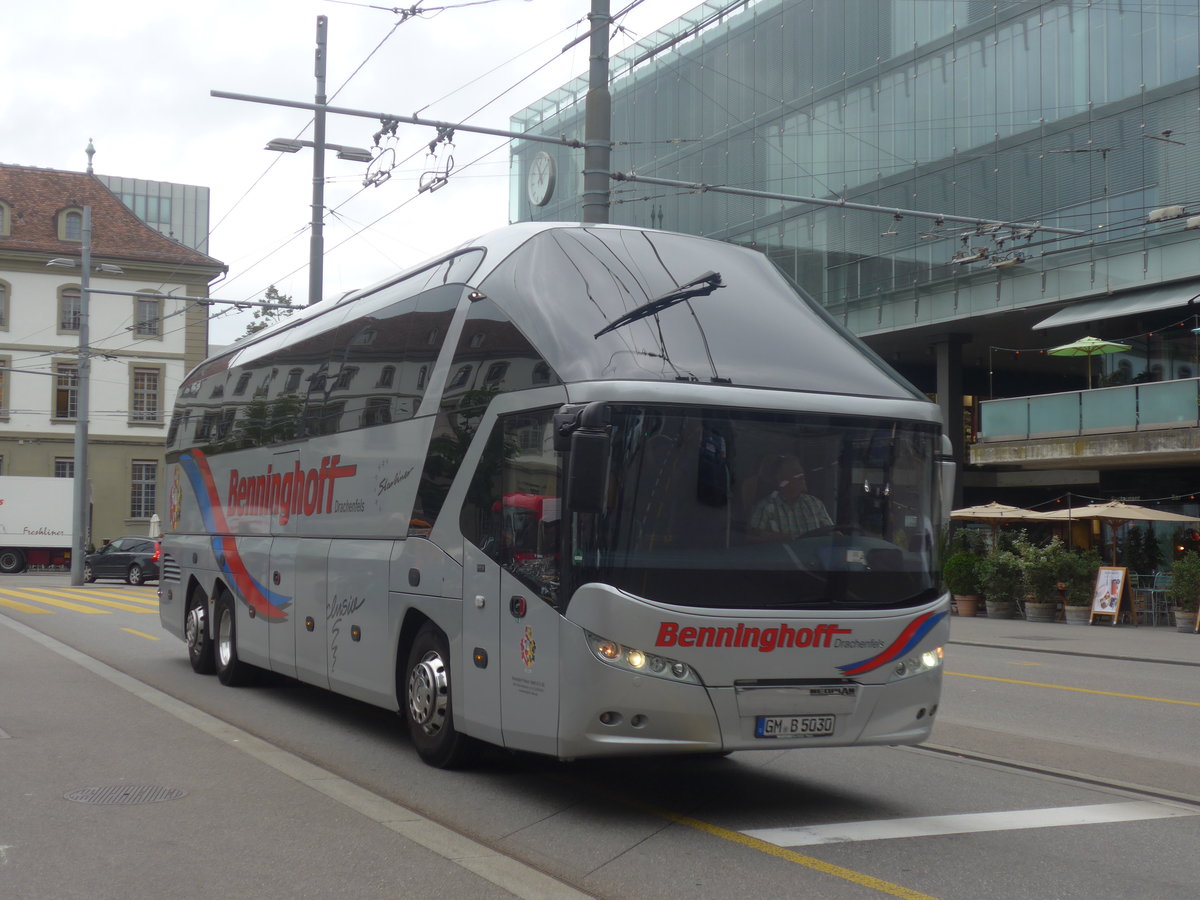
[633, 660]
[917, 664]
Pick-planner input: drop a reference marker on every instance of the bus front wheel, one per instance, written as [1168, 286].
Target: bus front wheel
[427, 707]
[231, 670]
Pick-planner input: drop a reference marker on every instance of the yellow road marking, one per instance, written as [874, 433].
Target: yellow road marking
[22, 607]
[809, 862]
[96, 599]
[1077, 690]
[63, 604]
[1033, 664]
[148, 637]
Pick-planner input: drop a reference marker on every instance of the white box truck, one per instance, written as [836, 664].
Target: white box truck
[35, 522]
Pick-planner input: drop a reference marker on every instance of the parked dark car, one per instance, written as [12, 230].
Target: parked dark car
[134, 559]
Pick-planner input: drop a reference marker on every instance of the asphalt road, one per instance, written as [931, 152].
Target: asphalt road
[1064, 764]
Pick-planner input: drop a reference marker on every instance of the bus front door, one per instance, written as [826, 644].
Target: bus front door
[479, 676]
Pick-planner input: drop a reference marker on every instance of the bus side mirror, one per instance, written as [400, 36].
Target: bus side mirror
[587, 474]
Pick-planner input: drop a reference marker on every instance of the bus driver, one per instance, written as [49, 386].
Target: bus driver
[789, 511]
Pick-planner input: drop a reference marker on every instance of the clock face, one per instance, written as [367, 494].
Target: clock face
[540, 184]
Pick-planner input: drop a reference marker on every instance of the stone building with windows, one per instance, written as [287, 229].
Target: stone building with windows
[990, 181]
[140, 347]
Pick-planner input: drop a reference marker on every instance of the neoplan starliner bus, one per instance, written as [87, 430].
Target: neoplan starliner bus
[530, 494]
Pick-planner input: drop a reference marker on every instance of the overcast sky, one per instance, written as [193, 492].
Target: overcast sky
[134, 76]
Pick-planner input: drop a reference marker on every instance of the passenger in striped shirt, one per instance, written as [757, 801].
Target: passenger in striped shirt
[789, 510]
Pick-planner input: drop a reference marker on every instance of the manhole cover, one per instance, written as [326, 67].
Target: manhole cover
[125, 794]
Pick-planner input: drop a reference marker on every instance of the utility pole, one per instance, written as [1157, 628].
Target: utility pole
[316, 252]
[597, 154]
[83, 374]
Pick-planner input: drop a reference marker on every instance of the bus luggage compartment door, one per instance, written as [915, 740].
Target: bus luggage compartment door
[298, 642]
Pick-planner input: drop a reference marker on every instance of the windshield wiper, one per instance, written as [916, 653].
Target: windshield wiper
[697, 287]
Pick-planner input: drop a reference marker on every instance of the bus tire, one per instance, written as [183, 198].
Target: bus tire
[230, 670]
[12, 561]
[196, 635]
[427, 708]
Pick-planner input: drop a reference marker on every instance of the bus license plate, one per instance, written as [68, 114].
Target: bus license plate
[794, 726]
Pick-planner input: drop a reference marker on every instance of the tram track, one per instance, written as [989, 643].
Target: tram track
[1141, 791]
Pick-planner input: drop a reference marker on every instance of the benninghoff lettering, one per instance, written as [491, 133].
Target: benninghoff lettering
[765, 639]
[286, 494]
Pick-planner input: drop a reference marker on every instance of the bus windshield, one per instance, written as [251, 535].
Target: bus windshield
[732, 509]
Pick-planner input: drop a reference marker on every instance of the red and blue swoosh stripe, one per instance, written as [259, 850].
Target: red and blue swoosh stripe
[909, 638]
[265, 602]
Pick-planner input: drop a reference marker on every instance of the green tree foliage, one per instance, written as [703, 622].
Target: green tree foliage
[264, 317]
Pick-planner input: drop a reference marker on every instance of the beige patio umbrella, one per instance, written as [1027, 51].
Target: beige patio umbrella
[994, 514]
[1116, 514]
[1089, 347]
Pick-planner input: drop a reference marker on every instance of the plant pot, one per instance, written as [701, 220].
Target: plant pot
[1041, 610]
[1000, 609]
[1078, 615]
[966, 604]
[1185, 620]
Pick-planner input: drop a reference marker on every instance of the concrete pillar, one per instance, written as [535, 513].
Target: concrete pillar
[948, 354]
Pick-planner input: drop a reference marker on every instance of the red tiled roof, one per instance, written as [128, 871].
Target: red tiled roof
[36, 196]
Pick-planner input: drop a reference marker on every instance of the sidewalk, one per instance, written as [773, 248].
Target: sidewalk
[113, 789]
[1159, 643]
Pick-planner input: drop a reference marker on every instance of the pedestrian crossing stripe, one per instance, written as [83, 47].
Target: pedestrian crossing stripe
[96, 604]
[17, 605]
[115, 599]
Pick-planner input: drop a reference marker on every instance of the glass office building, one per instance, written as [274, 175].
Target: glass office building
[1033, 168]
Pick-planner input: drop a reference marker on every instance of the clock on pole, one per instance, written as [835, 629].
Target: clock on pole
[540, 181]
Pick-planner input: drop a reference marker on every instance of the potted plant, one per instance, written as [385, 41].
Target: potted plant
[1041, 570]
[1000, 578]
[1184, 592]
[1078, 575]
[961, 575]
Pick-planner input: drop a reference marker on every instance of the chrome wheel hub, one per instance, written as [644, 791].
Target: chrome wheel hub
[195, 627]
[225, 637]
[428, 693]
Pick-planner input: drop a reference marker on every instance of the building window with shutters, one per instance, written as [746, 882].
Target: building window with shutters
[147, 317]
[70, 308]
[70, 225]
[5, 363]
[143, 493]
[66, 390]
[5, 293]
[145, 402]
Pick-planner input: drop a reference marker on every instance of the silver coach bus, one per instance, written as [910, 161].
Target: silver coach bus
[574, 490]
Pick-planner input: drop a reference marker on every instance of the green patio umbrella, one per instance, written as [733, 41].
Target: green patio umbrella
[1089, 347]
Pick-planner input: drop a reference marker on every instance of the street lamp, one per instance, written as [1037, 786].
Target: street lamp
[290, 145]
[83, 378]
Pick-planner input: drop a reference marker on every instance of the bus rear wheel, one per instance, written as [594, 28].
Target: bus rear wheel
[427, 708]
[230, 670]
[195, 634]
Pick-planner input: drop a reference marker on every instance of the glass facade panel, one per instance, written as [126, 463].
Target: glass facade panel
[1004, 419]
[1112, 409]
[1168, 402]
[1009, 111]
[1054, 414]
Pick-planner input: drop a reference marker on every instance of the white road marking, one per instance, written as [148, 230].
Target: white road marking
[928, 826]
